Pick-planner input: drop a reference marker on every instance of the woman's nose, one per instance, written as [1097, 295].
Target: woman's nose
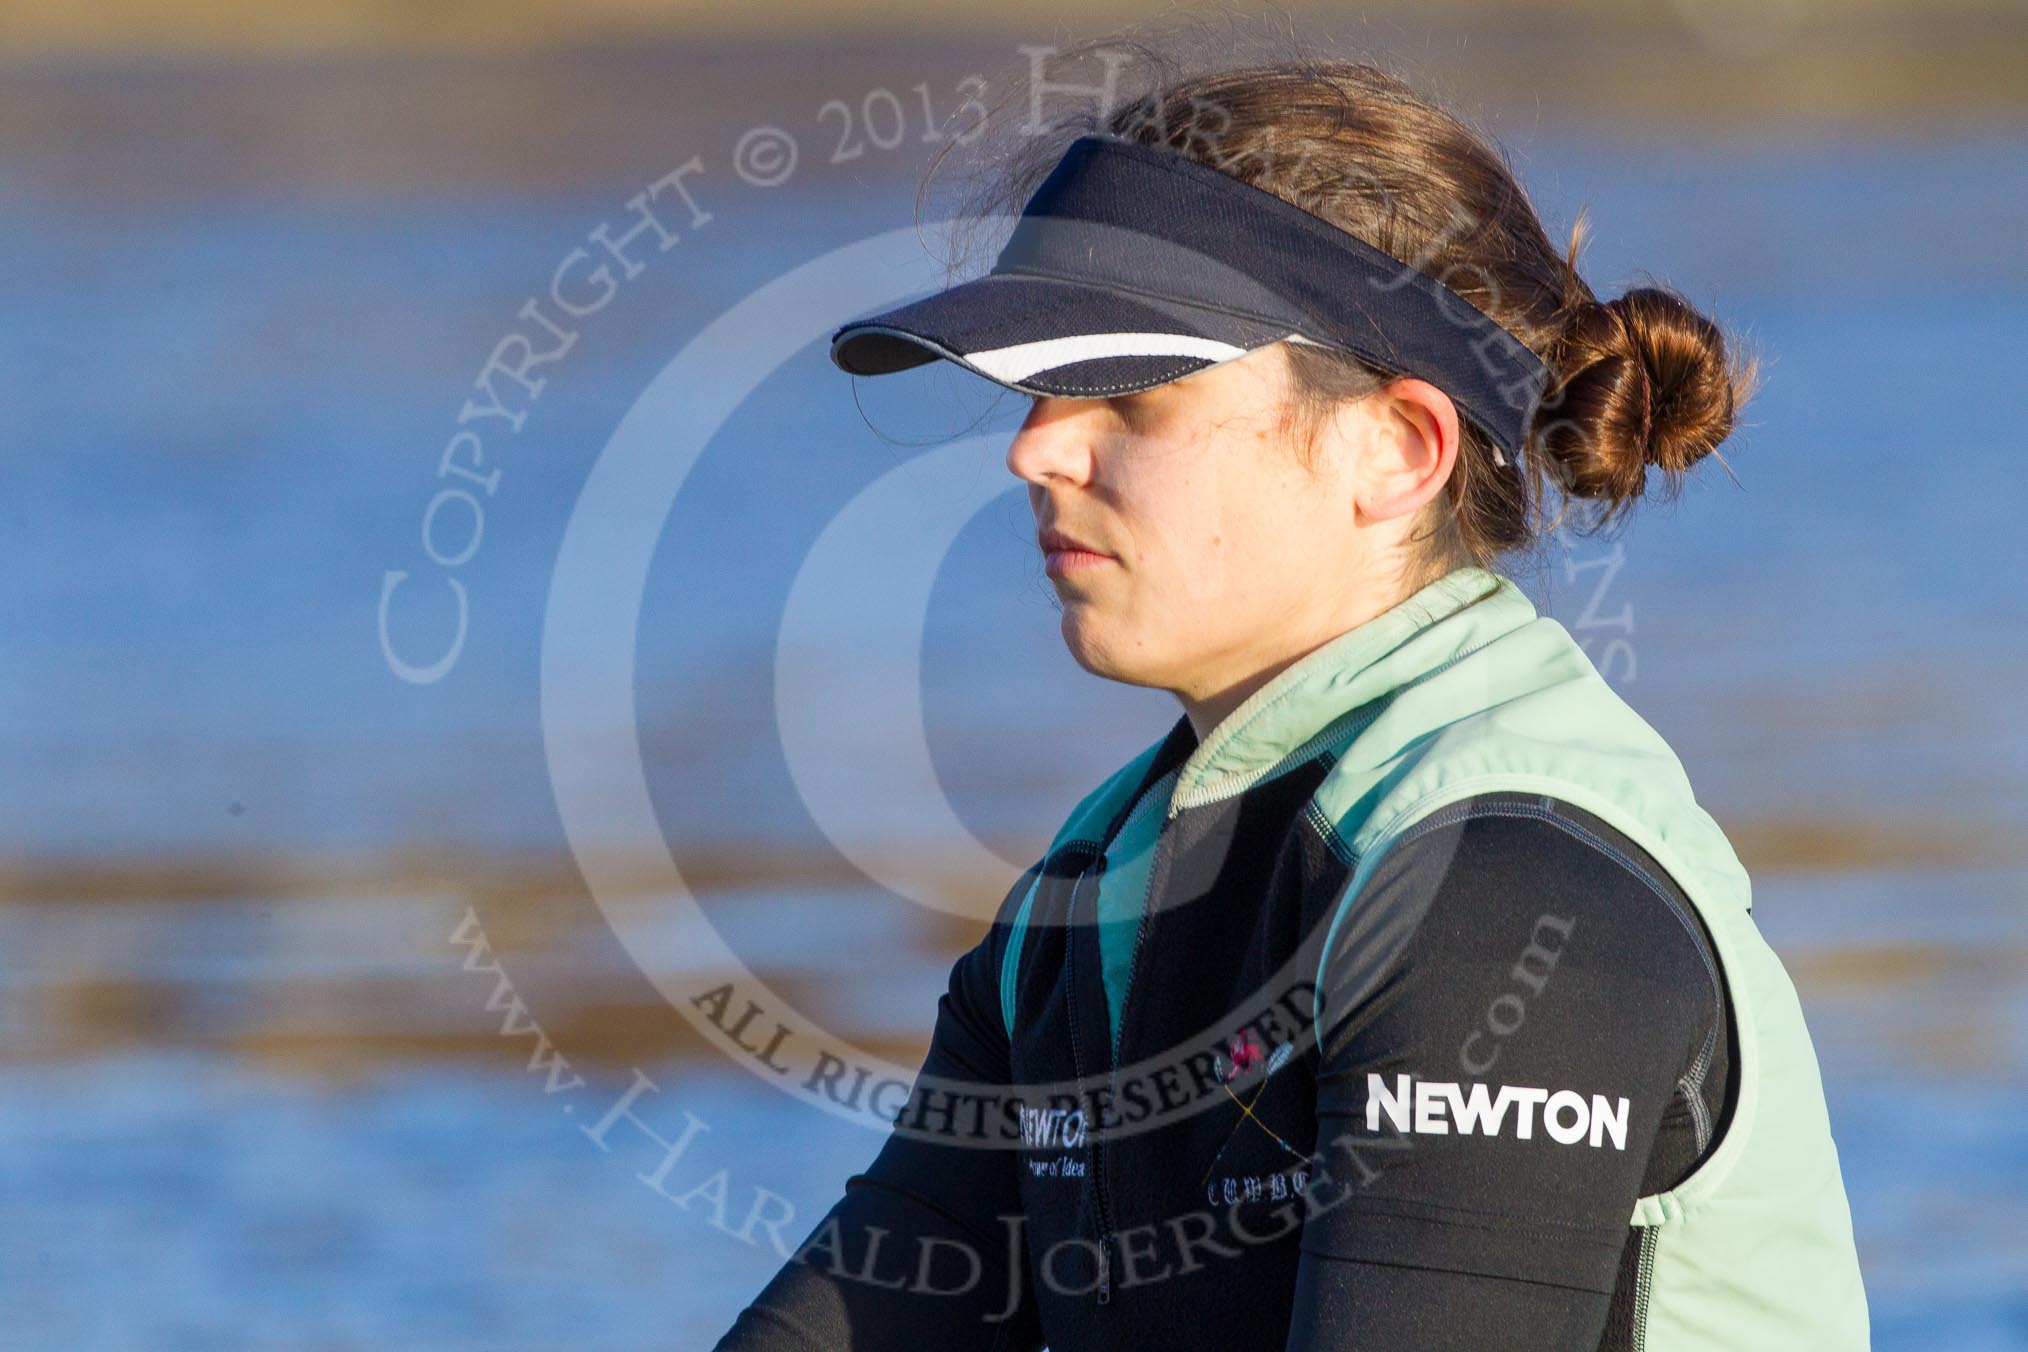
[1052, 444]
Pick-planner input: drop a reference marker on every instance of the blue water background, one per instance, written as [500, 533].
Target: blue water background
[223, 419]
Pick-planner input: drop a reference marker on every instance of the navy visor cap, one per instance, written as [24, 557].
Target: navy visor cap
[1133, 265]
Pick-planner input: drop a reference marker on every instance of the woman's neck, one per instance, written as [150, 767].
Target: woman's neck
[1215, 700]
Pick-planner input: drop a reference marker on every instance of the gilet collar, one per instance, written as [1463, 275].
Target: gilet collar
[1311, 702]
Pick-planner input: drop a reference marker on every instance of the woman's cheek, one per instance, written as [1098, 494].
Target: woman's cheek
[1205, 572]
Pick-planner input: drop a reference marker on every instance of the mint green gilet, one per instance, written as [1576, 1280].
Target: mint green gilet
[1754, 1249]
[1463, 688]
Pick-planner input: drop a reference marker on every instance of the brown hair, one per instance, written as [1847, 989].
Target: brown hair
[1643, 381]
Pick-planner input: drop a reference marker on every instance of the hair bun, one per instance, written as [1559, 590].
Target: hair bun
[1644, 380]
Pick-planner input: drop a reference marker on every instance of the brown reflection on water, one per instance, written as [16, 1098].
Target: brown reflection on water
[333, 967]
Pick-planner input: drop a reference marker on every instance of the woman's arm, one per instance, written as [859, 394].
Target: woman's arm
[1520, 1008]
[891, 1264]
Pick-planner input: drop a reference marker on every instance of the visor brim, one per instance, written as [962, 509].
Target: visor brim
[1044, 335]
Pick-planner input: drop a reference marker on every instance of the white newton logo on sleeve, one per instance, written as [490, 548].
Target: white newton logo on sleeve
[1444, 1107]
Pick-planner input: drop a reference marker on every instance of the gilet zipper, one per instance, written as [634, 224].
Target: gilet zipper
[1094, 869]
[1098, 1159]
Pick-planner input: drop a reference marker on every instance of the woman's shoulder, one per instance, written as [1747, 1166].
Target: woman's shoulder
[1531, 862]
[1516, 920]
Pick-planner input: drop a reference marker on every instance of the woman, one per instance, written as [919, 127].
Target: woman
[1400, 995]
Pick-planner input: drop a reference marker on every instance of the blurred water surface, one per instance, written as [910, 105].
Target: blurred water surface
[250, 1095]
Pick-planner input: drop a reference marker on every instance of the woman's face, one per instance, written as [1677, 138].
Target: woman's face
[1214, 551]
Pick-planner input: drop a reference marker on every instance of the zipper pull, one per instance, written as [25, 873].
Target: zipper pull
[1105, 1282]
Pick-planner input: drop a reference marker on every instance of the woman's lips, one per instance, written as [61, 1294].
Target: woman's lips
[1061, 562]
[1064, 553]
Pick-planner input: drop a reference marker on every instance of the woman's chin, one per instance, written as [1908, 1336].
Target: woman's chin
[1101, 650]
[1084, 639]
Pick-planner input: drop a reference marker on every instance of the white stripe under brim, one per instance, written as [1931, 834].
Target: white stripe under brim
[1019, 362]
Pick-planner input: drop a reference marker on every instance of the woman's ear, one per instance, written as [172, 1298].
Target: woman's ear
[1407, 444]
